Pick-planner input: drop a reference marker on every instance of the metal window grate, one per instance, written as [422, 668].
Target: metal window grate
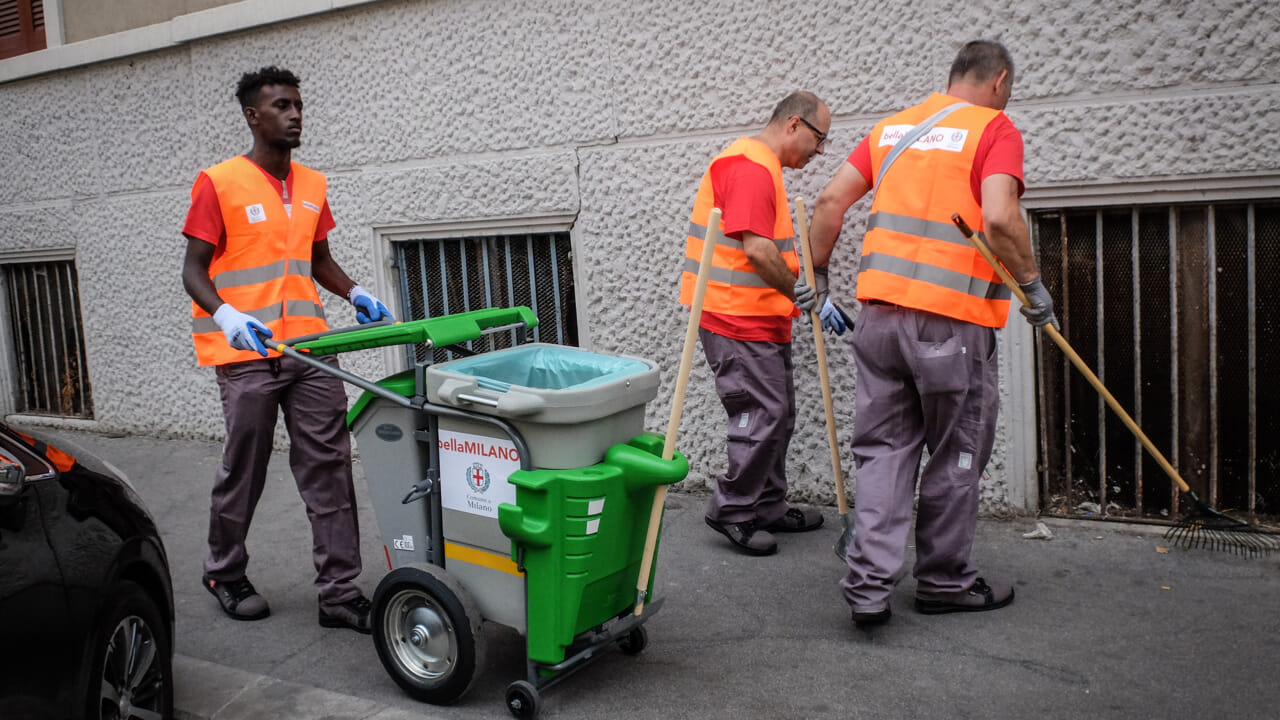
[446, 276]
[48, 339]
[1169, 305]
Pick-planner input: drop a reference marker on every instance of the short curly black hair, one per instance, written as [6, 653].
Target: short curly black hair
[252, 82]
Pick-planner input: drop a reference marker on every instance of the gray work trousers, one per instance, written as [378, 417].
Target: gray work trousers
[754, 382]
[924, 381]
[314, 406]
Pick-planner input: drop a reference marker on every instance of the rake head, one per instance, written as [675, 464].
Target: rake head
[1207, 528]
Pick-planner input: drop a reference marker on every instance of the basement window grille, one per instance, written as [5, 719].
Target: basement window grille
[446, 276]
[47, 332]
[1176, 308]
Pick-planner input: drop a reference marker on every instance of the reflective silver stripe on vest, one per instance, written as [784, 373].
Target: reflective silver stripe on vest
[262, 273]
[933, 275]
[305, 308]
[700, 231]
[729, 277]
[203, 325]
[300, 308]
[931, 229]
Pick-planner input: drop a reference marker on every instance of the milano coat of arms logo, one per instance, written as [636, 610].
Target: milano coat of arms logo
[477, 478]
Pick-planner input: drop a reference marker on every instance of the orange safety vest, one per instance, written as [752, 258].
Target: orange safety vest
[913, 255]
[733, 287]
[264, 269]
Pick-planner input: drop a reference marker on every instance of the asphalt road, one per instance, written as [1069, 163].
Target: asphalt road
[1109, 622]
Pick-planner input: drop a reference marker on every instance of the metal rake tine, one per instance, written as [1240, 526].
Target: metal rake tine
[1242, 539]
[1179, 534]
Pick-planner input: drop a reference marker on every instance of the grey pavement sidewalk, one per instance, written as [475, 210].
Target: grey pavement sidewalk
[1109, 622]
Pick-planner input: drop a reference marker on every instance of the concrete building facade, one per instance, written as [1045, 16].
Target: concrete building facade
[454, 117]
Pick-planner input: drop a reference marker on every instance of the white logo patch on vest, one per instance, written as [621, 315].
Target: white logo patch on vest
[939, 138]
[255, 213]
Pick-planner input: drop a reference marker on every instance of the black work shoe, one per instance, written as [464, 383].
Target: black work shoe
[979, 597]
[751, 539]
[871, 618]
[797, 520]
[353, 614]
[238, 598]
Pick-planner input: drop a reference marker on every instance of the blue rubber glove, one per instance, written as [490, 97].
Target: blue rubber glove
[368, 308]
[239, 329]
[834, 318]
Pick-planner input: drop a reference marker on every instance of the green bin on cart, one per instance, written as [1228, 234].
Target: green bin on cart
[580, 534]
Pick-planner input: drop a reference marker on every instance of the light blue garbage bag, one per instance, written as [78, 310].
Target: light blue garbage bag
[545, 367]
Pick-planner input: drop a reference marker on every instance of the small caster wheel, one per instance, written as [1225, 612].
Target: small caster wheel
[634, 642]
[522, 699]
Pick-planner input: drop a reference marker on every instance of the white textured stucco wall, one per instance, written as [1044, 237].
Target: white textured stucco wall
[457, 110]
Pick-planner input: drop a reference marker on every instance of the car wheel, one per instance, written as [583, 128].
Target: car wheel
[426, 629]
[131, 671]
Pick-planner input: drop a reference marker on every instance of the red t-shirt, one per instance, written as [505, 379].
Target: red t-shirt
[204, 219]
[999, 151]
[743, 190]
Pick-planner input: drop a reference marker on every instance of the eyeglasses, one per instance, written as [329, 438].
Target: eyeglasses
[822, 137]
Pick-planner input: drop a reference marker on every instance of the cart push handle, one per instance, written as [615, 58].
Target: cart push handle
[293, 341]
[445, 330]
[435, 332]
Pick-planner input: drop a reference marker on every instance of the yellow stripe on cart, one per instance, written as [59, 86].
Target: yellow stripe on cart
[493, 561]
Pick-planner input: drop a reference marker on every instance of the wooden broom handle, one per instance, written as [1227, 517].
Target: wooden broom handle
[677, 401]
[819, 342]
[1071, 354]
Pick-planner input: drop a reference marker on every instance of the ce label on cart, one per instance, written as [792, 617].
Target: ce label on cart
[474, 472]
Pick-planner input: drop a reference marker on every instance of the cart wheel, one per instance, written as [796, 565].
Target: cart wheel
[426, 629]
[522, 699]
[634, 642]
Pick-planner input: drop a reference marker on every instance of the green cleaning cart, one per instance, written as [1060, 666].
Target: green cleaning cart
[513, 486]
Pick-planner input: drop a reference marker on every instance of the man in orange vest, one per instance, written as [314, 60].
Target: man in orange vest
[745, 327]
[256, 245]
[925, 346]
